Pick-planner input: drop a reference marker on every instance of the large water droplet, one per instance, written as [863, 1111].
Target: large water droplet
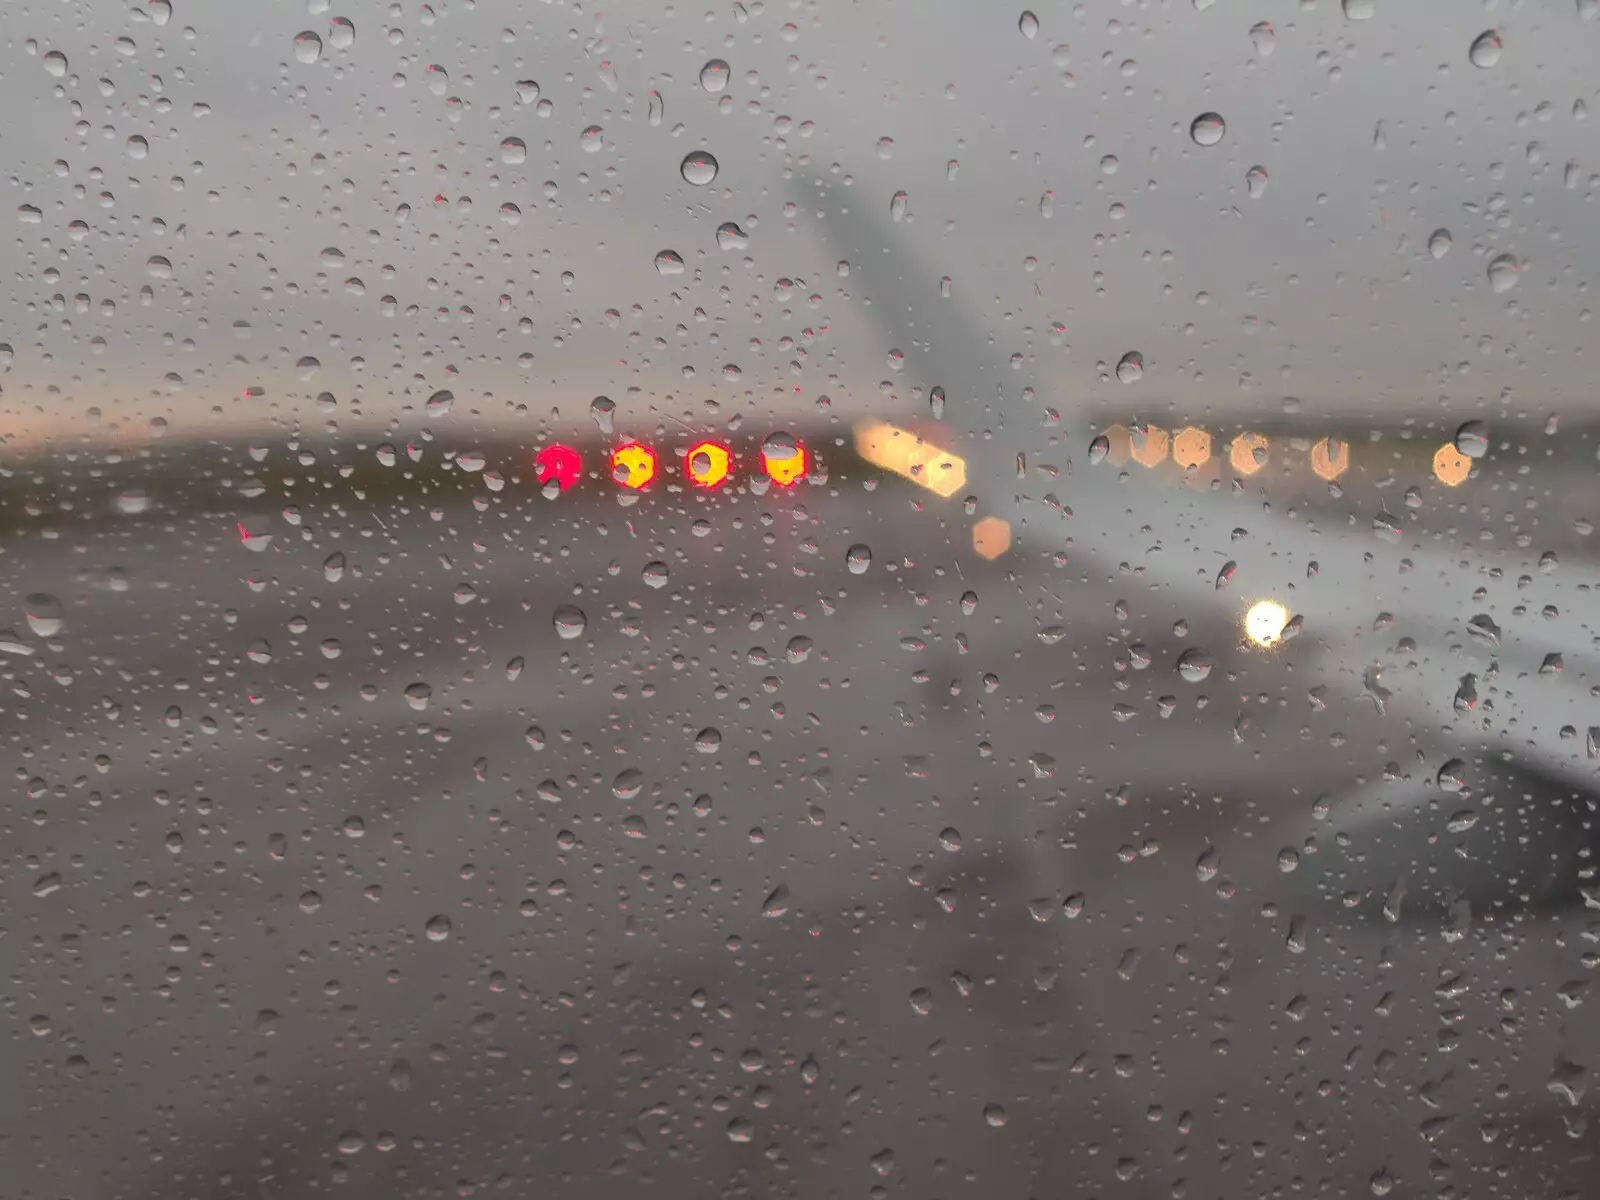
[1503, 271]
[593, 138]
[513, 151]
[655, 574]
[1264, 38]
[1439, 243]
[341, 33]
[570, 622]
[1194, 665]
[897, 206]
[1207, 129]
[440, 402]
[669, 262]
[714, 75]
[731, 237]
[1360, 10]
[1098, 449]
[1472, 439]
[698, 168]
[44, 614]
[1028, 24]
[418, 694]
[1255, 182]
[858, 558]
[603, 410]
[1486, 48]
[307, 47]
[1130, 368]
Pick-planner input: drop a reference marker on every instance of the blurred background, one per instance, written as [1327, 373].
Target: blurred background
[805, 599]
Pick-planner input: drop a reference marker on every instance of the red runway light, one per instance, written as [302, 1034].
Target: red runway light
[633, 465]
[561, 463]
[708, 464]
[784, 460]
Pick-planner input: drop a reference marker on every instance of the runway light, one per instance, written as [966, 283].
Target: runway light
[904, 453]
[991, 537]
[1330, 458]
[1191, 448]
[784, 459]
[1149, 445]
[1450, 466]
[1248, 454]
[633, 465]
[561, 463]
[707, 464]
[1264, 623]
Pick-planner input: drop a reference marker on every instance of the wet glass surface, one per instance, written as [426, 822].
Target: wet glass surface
[799, 599]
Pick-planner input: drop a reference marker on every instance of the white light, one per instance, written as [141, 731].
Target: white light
[1265, 621]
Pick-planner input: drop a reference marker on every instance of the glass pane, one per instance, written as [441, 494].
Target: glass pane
[808, 599]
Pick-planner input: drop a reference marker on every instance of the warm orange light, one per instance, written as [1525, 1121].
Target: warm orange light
[707, 464]
[1248, 454]
[1450, 466]
[1121, 444]
[784, 469]
[1330, 458]
[633, 465]
[1191, 448]
[904, 453]
[1149, 445]
[991, 537]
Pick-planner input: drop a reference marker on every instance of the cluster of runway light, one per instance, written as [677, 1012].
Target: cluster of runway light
[705, 465]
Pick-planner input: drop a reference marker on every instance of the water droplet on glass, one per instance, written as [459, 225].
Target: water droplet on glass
[603, 410]
[1439, 243]
[777, 901]
[1207, 129]
[885, 148]
[858, 558]
[1130, 367]
[1503, 270]
[333, 567]
[1486, 47]
[1255, 180]
[669, 262]
[714, 75]
[513, 150]
[341, 33]
[440, 402]
[897, 206]
[570, 622]
[1472, 439]
[593, 138]
[1028, 24]
[628, 784]
[1360, 10]
[731, 237]
[708, 740]
[307, 47]
[655, 574]
[1098, 449]
[527, 91]
[55, 64]
[698, 168]
[438, 928]
[418, 694]
[1264, 38]
[1194, 665]
[936, 403]
[44, 614]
